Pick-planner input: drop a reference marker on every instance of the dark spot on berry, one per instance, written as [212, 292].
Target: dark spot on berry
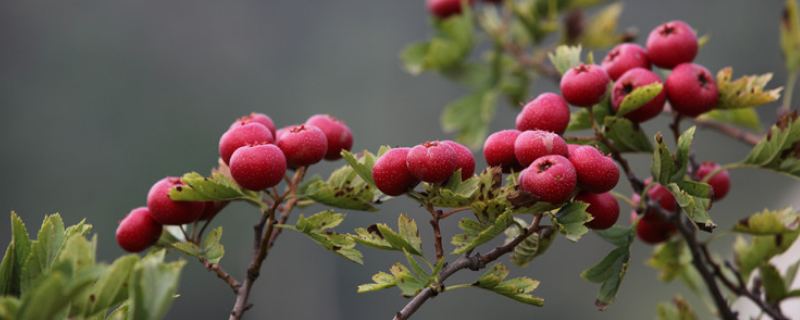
[702, 78]
[545, 165]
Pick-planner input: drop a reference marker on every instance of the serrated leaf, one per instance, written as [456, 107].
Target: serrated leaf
[218, 187]
[9, 307]
[790, 36]
[189, 248]
[600, 32]
[371, 239]
[111, 288]
[454, 193]
[749, 255]
[419, 273]
[16, 257]
[571, 220]
[530, 248]
[516, 289]
[43, 250]
[212, 249]
[153, 284]
[478, 233]
[769, 222]
[678, 310]
[469, 116]
[696, 189]
[745, 92]
[639, 97]
[746, 118]
[780, 149]
[625, 136]
[51, 288]
[775, 289]
[406, 239]
[413, 57]
[565, 57]
[316, 227]
[672, 258]
[344, 189]
[362, 165]
[663, 165]
[611, 270]
[400, 277]
[694, 207]
[791, 272]
[618, 236]
[581, 120]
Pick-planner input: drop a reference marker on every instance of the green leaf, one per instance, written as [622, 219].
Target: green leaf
[600, 32]
[530, 248]
[769, 222]
[581, 120]
[316, 227]
[663, 165]
[565, 57]
[189, 248]
[111, 288]
[454, 193]
[212, 249]
[791, 272]
[625, 136]
[7, 273]
[16, 257]
[780, 149]
[218, 187]
[696, 189]
[678, 310]
[9, 307]
[400, 277]
[419, 273]
[745, 92]
[153, 284]
[639, 97]
[790, 36]
[413, 57]
[571, 220]
[476, 76]
[516, 289]
[344, 189]
[672, 258]
[694, 207]
[746, 118]
[44, 250]
[363, 165]
[749, 255]
[407, 238]
[775, 289]
[51, 288]
[478, 233]
[469, 116]
[612, 268]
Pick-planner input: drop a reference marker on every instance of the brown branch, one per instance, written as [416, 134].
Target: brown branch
[448, 213]
[466, 261]
[437, 233]
[731, 131]
[235, 285]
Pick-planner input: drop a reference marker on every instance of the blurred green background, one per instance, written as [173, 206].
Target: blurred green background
[100, 99]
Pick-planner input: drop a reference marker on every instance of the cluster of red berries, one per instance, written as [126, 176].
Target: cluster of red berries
[548, 167]
[399, 170]
[446, 8]
[257, 156]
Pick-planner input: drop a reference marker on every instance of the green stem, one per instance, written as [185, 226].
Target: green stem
[458, 286]
[723, 168]
[787, 95]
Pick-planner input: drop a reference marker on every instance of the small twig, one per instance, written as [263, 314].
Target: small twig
[675, 125]
[437, 233]
[741, 289]
[235, 285]
[466, 261]
[448, 213]
[731, 131]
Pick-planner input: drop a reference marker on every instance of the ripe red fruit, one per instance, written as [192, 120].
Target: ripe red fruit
[550, 178]
[339, 135]
[628, 82]
[138, 231]
[659, 194]
[691, 89]
[445, 8]
[653, 231]
[257, 118]
[169, 212]
[671, 44]
[603, 207]
[303, 145]
[720, 182]
[498, 150]
[391, 174]
[584, 85]
[432, 162]
[547, 112]
[531, 145]
[464, 159]
[241, 135]
[624, 57]
[258, 167]
[596, 173]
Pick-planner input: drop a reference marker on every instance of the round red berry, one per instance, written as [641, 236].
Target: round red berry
[653, 231]
[464, 159]
[391, 174]
[432, 162]
[691, 89]
[550, 178]
[242, 135]
[548, 112]
[257, 118]
[596, 173]
[720, 182]
[498, 150]
[671, 44]
[623, 57]
[169, 212]
[303, 145]
[584, 85]
[628, 82]
[532, 145]
[138, 231]
[603, 207]
[445, 8]
[339, 135]
[258, 167]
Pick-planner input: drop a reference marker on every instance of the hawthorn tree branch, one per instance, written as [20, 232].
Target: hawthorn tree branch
[235, 285]
[437, 232]
[731, 131]
[466, 261]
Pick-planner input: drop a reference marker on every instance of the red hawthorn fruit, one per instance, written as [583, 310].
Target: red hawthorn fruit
[303, 145]
[533, 144]
[596, 173]
[241, 135]
[603, 207]
[550, 178]
[446, 8]
[628, 82]
[548, 112]
[169, 212]
[339, 135]
[257, 167]
[691, 89]
[498, 150]
[464, 159]
[138, 230]
[671, 44]
[257, 118]
[720, 182]
[624, 57]
[432, 162]
[391, 174]
[584, 85]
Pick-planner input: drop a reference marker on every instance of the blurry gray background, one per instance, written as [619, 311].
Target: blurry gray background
[100, 99]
